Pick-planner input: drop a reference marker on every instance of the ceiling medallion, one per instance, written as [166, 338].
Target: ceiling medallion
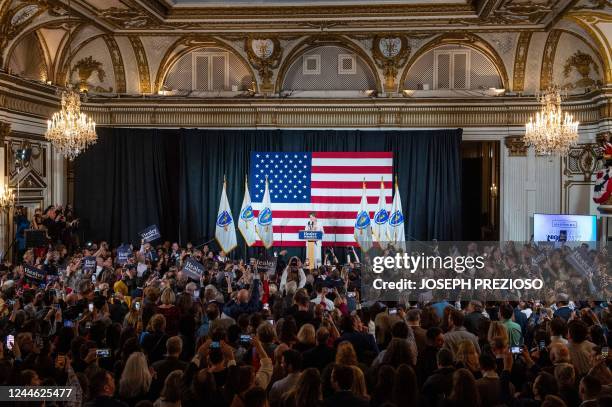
[551, 132]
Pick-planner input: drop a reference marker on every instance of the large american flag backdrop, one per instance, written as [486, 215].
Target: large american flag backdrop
[327, 183]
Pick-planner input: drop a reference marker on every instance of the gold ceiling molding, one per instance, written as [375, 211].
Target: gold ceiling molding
[466, 39]
[117, 59]
[188, 43]
[321, 40]
[520, 61]
[548, 59]
[143, 64]
[316, 11]
[145, 15]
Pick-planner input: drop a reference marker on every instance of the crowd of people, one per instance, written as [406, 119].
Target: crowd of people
[138, 331]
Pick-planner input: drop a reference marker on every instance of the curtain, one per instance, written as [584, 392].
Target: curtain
[127, 181]
[174, 177]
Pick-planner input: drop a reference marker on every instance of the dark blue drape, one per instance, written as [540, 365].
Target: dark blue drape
[427, 162]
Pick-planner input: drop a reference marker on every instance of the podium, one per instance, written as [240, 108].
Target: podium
[311, 237]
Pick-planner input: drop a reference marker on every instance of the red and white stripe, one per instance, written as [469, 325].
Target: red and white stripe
[336, 187]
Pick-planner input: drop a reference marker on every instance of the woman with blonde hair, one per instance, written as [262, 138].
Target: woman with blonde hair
[169, 310]
[345, 354]
[467, 357]
[135, 379]
[497, 329]
[306, 338]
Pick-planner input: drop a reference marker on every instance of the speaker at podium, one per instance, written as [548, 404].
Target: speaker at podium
[313, 239]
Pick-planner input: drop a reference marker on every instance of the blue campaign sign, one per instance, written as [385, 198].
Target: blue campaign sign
[150, 234]
[89, 264]
[33, 274]
[193, 269]
[123, 254]
[310, 235]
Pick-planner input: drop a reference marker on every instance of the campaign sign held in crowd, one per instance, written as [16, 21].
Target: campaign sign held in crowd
[150, 234]
[89, 264]
[33, 274]
[193, 269]
[266, 265]
[123, 254]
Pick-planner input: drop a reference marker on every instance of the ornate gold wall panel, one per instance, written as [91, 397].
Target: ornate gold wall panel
[520, 60]
[117, 59]
[143, 64]
[548, 60]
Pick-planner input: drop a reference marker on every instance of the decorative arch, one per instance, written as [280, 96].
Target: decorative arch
[313, 42]
[602, 49]
[467, 40]
[37, 64]
[187, 44]
[55, 23]
[600, 58]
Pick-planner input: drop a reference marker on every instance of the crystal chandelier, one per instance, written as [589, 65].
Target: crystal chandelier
[7, 198]
[552, 132]
[69, 130]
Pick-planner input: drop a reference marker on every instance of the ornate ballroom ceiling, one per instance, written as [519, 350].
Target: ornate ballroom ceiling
[329, 49]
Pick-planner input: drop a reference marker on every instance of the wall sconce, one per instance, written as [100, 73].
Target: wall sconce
[493, 190]
[7, 197]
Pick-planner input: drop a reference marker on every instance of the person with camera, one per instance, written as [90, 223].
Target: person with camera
[293, 272]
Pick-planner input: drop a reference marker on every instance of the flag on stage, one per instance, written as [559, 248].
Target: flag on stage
[363, 224]
[381, 219]
[264, 219]
[326, 183]
[397, 234]
[225, 231]
[246, 221]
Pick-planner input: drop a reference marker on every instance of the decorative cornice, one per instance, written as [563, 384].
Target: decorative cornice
[516, 146]
[39, 101]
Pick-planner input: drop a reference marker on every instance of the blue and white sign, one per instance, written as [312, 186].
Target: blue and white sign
[150, 234]
[193, 269]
